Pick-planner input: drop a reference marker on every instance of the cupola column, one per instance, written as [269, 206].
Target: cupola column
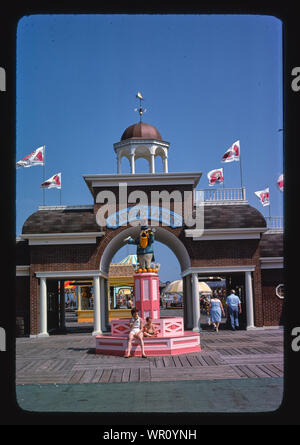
[132, 163]
[152, 163]
[119, 163]
[165, 164]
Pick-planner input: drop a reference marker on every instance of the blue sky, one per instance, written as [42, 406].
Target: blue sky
[207, 80]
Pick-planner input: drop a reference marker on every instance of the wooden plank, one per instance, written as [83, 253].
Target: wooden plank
[268, 372]
[97, 376]
[279, 366]
[134, 375]
[125, 375]
[240, 372]
[251, 359]
[87, 376]
[201, 373]
[31, 365]
[184, 361]
[208, 360]
[273, 369]
[76, 376]
[145, 375]
[159, 362]
[168, 362]
[116, 375]
[57, 365]
[176, 361]
[201, 361]
[193, 361]
[105, 376]
[246, 371]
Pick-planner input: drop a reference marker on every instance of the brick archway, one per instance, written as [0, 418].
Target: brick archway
[114, 240]
[163, 235]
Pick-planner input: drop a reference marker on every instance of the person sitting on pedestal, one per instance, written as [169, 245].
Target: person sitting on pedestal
[149, 330]
[144, 243]
[136, 331]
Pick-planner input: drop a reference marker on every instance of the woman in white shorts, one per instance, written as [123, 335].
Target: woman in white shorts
[135, 332]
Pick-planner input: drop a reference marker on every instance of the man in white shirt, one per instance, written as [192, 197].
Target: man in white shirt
[234, 307]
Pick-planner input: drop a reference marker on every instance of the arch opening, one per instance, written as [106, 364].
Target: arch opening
[162, 235]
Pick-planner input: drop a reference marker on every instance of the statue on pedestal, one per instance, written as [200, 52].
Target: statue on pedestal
[144, 242]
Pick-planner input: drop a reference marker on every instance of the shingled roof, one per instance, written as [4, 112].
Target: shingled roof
[61, 221]
[232, 216]
[271, 245]
[84, 220]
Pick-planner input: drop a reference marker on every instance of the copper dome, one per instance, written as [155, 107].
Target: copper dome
[141, 130]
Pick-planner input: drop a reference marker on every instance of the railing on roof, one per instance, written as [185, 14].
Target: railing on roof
[220, 195]
[275, 223]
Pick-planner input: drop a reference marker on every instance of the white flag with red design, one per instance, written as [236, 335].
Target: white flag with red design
[233, 153]
[37, 157]
[280, 182]
[53, 182]
[215, 176]
[264, 196]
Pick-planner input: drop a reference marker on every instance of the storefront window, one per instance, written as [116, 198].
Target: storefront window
[121, 297]
[86, 298]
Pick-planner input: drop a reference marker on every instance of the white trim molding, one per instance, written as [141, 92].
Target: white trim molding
[71, 274]
[40, 239]
[271, 262]
[142, 179]
[217, 269]
[225, 234]
[64, 207]
[22, 271]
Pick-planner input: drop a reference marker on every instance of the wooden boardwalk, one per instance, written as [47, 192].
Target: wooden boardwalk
[71, 358]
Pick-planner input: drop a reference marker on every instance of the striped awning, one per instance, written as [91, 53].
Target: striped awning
[130, 259]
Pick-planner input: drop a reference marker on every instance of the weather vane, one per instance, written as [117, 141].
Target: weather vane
[140, 109]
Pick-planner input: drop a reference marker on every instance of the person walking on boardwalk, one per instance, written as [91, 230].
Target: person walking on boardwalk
[216, 311]
[135, 332]
[234, 306]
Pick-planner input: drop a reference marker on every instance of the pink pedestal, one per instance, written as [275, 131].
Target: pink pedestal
[171, 338]
[146, 292]
[117, 345]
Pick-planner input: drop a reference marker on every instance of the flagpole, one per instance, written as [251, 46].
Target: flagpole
[44, 175]
[241, 169]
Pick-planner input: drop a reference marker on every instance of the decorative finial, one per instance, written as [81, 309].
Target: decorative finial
[140, 109]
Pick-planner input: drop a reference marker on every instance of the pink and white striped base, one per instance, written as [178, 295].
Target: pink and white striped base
[165, 326]
[171, 345]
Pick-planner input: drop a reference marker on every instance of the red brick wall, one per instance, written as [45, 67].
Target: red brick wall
[272, 305]
[63, 257]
